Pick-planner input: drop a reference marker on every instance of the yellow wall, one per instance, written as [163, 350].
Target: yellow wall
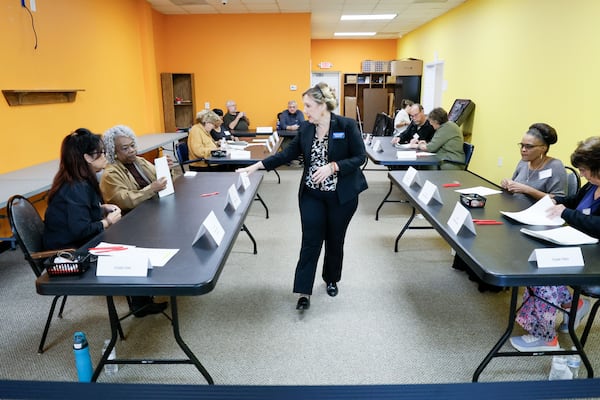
[520, 61]
[250, 58]
[104, 47]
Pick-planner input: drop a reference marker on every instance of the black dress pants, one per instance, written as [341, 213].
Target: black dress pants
[323, 219]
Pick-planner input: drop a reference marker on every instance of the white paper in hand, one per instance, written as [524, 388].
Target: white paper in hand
[536, 214]
[162, 170]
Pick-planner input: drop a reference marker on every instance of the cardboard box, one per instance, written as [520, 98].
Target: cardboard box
[407, 67]
[350, 78]
[350, 107]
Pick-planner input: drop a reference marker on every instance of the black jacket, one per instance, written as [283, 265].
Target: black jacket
[589, 224]
[347, 150]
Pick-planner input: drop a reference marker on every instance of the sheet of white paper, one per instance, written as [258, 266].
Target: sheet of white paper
[264, 129]
[402, 146]
[406, 155]
[162, 169]
[158, 257]
[565, 235]
[240, 155]
[536, 214]
[260, 140]
[190, 173]
[480, 190]
[377, 145]
[424, 153]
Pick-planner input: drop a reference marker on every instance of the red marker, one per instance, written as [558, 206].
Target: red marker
[209, 194]
[455, 184]
[488, 223]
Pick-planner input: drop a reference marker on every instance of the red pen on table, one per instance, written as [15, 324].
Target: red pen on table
[453, 184]
[209, 194]
[487, 222]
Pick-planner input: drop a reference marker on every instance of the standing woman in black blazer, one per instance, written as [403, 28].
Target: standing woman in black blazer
[333, 152]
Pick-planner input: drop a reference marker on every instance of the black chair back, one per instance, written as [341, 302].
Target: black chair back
[28, 228]
[183, 154]
[384, 125]
[573, 181]
[468, 150]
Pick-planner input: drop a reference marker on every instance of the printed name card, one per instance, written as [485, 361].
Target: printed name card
[233, 198]
[461, 217]
[127, 263]
[162, 169]
[264, 129]
[272, 140]
[268, 144]
[243, 181]
[406, 155]
[429, 192]
[276, 135]
[377, 145]
[212, 227]
[412, 177]
[557, 257]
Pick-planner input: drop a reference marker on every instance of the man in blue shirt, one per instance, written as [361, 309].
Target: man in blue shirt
[290, 119]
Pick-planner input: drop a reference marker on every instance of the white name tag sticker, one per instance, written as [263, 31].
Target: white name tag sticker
[127, 263]
[411, 177]
[233, 198]
[212, 227]
[557, 257]
[545, 174]
[461, 217]
[429, 192]
[377, 145]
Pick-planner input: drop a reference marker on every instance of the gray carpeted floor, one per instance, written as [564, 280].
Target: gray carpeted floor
[399, 318]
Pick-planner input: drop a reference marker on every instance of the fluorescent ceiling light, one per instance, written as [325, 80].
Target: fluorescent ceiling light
[354, 33]
[367, 17]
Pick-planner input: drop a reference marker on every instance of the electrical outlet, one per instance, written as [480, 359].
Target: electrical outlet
[499, 161]
[32, 6]
[207, 106]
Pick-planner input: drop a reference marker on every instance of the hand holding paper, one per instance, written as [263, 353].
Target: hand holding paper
[536, 214]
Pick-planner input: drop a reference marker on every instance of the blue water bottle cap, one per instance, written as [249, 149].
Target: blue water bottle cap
[79, 341]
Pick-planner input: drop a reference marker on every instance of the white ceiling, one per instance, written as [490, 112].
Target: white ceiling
[325, 14]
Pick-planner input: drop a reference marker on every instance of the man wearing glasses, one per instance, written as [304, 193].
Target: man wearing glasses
[419, 125]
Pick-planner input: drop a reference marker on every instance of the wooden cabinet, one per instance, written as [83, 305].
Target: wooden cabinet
[368, 94]
[375, 92]
[178, 100]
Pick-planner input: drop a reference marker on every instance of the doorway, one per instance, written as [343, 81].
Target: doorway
[433, 82]
[332, 79]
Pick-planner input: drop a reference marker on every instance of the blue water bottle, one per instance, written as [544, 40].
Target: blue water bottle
[83, 360]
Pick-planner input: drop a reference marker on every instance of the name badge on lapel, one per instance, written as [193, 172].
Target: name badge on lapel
[339, 135]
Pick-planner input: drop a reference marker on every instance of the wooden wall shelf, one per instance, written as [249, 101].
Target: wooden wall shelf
[39, 96]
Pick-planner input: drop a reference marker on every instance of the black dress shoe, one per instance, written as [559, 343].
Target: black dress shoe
[150, 308]
[303, 303]
[332, 289]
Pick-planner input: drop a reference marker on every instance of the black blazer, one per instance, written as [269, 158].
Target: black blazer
[347, 150]
[589, 224]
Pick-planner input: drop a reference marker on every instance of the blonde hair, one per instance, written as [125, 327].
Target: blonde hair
[205, 116]
[321, 93]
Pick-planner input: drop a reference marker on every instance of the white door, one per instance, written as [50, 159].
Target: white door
[433, 81]
[332, 79]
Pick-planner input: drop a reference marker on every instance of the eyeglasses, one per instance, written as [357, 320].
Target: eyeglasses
[126, 147]
[528, 146]
[98, 153]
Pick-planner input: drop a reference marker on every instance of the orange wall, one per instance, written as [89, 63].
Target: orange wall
[346, 55]
[104, 47]
[250, 58]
